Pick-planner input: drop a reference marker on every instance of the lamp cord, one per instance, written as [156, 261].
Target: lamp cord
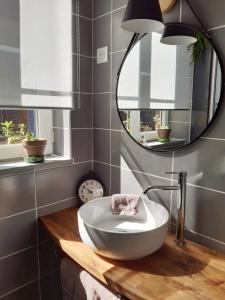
[199, 20]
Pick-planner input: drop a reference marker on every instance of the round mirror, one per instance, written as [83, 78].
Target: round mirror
[168, 95]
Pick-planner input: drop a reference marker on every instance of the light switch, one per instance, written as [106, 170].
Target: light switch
[102, 55]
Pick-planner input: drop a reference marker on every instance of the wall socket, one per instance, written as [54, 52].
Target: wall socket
[102, 55]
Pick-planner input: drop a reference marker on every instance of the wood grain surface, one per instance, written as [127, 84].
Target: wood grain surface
[172, 273]
[166, 5]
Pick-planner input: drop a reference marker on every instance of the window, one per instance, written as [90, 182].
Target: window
[39, 122]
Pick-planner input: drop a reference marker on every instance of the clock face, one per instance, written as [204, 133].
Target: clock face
[90, 189]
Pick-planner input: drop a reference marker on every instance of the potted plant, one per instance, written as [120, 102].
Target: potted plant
[162, 131]
[34, 148]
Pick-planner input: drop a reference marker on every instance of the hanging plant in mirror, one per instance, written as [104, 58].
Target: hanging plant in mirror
[198, 49]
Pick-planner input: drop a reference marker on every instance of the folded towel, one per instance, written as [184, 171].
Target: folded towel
[125, 204]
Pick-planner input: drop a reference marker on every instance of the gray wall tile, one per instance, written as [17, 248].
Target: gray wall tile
[103, 172]
[52, 208]
[102, 33]
[85, 8]
[85, 36]
[17, 194]
[102, 77]
[28, 292]
[102, 145]
[18, 233]
[101, 111]
[82, 118]
[101, 7]
[82, 144]
[17, 270]
[119, 3]
[59, 183]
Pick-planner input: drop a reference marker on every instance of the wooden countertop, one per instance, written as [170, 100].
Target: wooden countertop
[172, 273]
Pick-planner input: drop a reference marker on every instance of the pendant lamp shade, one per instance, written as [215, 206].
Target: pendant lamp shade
[143, 16]
[179, 34]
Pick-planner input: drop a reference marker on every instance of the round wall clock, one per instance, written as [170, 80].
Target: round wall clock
[90, 187]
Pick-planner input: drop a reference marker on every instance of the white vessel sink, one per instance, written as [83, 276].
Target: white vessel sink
[123, 237]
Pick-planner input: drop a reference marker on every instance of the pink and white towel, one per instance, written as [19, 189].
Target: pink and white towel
[125, 204]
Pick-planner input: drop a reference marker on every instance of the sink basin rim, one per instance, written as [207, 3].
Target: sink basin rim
[128, 218]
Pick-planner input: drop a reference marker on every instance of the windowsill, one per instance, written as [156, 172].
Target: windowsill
[9, 167]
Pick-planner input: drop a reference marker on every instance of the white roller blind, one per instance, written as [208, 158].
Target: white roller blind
[36, 53]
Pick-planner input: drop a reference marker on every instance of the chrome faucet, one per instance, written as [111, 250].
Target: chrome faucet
[181, 201]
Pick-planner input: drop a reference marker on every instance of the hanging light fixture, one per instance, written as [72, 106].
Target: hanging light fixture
[143, 16]
[182, 34]
[179, 34]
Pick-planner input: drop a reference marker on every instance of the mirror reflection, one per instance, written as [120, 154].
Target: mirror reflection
[167, 95]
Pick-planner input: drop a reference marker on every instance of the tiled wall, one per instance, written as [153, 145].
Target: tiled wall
[125, 166]
[28, 259]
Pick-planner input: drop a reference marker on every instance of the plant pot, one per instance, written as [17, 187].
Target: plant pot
[34, 150]
[164, 135]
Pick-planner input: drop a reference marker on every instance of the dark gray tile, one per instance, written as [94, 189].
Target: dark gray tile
[203, 205]
[102, 33]
[202, 161]
[28, 292]
[82, 117]
[82, 144]
[49, 257]
[101, 78]
[101, 112]
[120, 38]
[119, 3]
[210, 13]
[17, 194]
[51, 286]
[85, 36]
[124, 149]
[55, 207]
[85, 74]
[103, 172]
[101, 7]
[85, 8]
[102, 145]
[18, 233]
[61, 142]
[59, 183]
[116, 62]
[129, 182]
[13, 272]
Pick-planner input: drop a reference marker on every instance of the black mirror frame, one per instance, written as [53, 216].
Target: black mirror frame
[136, 37]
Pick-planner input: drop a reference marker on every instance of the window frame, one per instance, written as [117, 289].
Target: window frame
[44, 126]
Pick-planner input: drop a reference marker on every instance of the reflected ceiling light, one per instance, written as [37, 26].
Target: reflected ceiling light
[179, 34]
[143, 16]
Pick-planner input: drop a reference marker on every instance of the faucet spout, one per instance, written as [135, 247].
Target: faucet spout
[181, 203]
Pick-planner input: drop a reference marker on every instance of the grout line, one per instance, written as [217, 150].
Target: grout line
[17, 214]
[205, 236]
[213, 139]
[62, 128]
[92, 97]
[18, 288]
[83, 17]
[110, 12]
[57, 202]
[205, 188]
[82, 55]
[37, 233]
[110, 106]
[18, 252]
[118, 51]
[216, 28]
